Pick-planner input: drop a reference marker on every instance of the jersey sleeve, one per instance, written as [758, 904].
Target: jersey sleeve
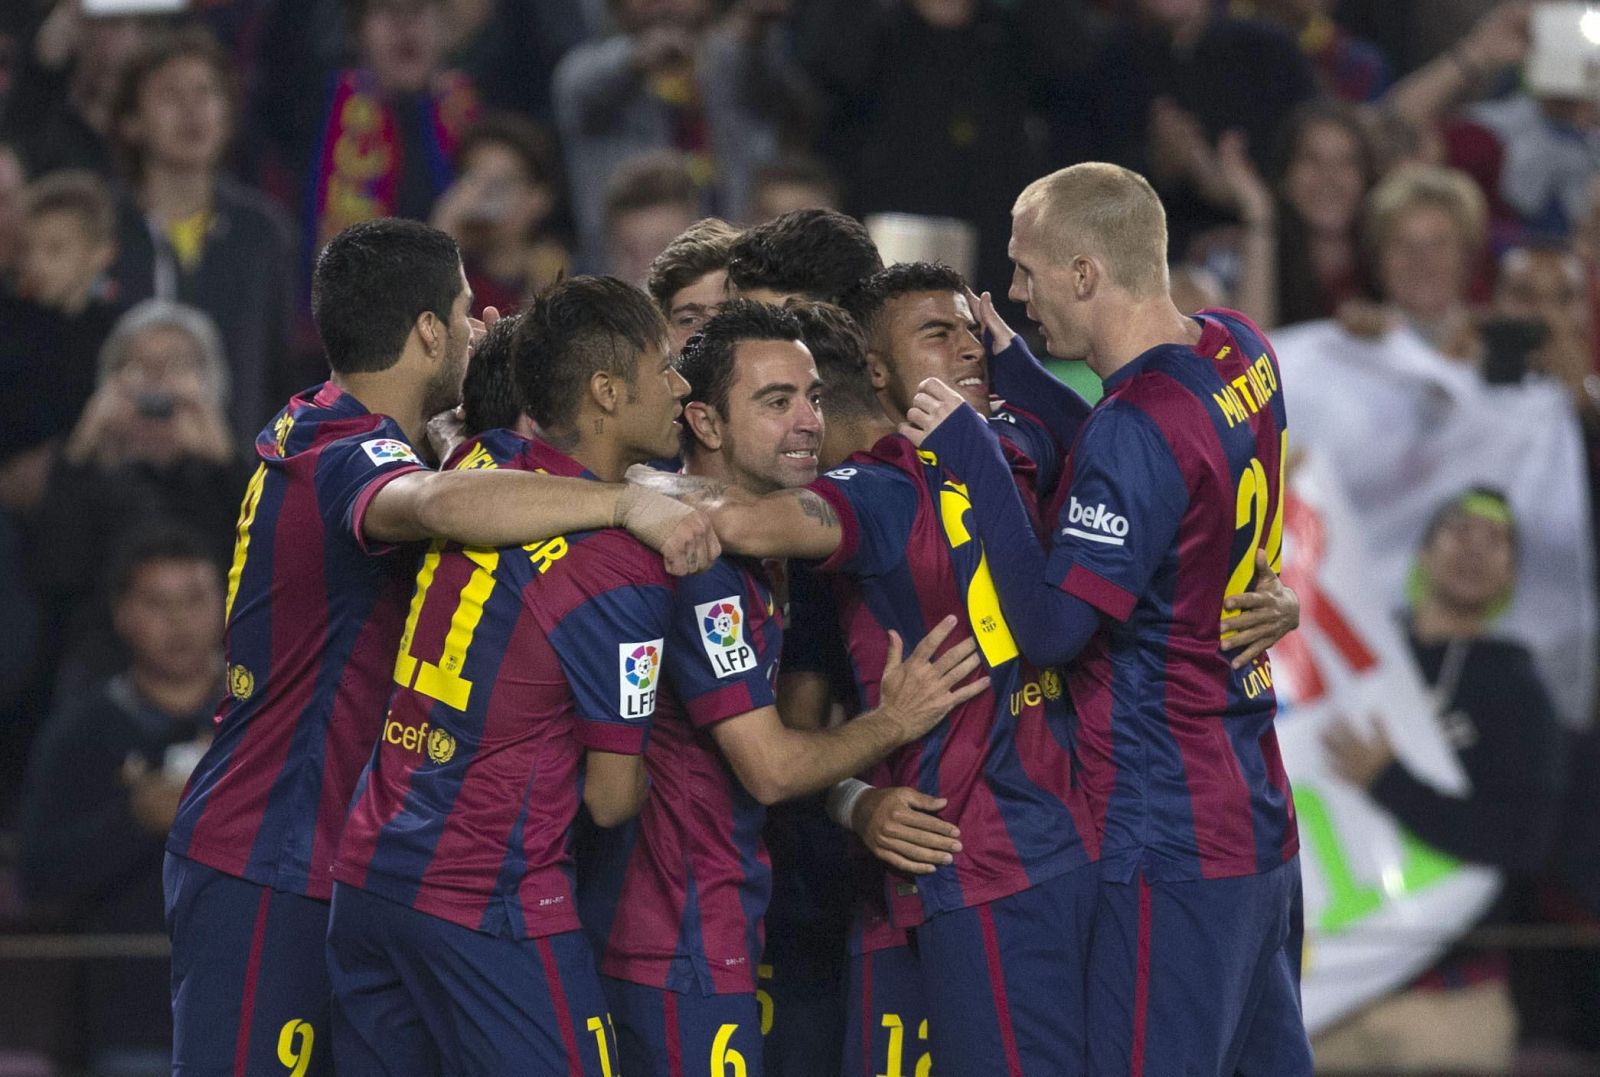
[714, 667]
[351, 471]
[1121, 514]
[1028, 436]
[876, 507]
[611, 649]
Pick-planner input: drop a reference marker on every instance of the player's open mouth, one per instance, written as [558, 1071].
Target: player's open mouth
[801, 454]
[970, 383]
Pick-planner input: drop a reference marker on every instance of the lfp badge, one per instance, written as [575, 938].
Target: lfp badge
[639, 674]
[721, 634]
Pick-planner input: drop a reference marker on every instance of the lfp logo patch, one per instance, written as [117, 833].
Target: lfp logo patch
[389, 451]
[638, 677]
[722, 635]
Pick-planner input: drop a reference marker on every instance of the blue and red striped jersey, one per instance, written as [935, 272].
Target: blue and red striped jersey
[1002, 759]
[1174, 483]
[513, 662]
[677, 896]
[313, 613]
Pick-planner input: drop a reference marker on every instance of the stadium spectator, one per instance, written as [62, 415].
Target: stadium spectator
[689, 280]
[932, 106]
[672, 79]
[52, 328]
[188, 232]
[1324, 173]
[153, 444]
[1426, 229]
[1498, 716]
[790, 183]
[13, 182]
[1347, 67]
[1168, 83]
[649, 201]
[377, 141]
[58, 113]
[505, 209]
[510, 48]
[103, 786]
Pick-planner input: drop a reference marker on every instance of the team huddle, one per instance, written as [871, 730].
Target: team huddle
[781, 672]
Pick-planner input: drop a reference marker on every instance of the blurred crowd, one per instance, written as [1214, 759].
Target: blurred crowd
[1408, 184]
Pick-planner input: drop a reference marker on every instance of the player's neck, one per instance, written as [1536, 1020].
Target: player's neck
[389, 392]
[1133, 329]
[1435, 622]
[603, 456]
[862, 434]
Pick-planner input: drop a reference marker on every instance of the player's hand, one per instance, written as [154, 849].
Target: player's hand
[1261, 616]
[934, 403]
[682, 535]
[1000, 334]
[916, 694]
[480, 327]
[1356, 757]
[899, 827]
[446, 431]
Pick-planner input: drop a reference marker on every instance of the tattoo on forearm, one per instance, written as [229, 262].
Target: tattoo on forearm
[816, 508]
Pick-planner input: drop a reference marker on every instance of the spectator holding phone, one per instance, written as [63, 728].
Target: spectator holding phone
[153, 444]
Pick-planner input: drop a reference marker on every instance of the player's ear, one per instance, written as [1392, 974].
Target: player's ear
[877, 369]
[1085, 277]
[430, 330]
[705, 422]
[606, 391]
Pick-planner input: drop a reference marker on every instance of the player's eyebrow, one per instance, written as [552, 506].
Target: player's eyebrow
[777, 388]
[936, 323]
[697, 308]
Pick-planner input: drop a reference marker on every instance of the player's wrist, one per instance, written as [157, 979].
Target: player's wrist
[842, 800]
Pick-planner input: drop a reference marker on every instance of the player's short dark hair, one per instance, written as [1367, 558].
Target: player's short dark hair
[866, 302]
[489, 391]
[573, 330]
[656, 178]
[701, 248]
[76, 191]
[707, 360]
[185, 43]
[164, 540]
[840, 350]
[371, 284]
[818, 253]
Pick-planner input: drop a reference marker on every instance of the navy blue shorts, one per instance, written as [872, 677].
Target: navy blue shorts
[249, 978]
[1005, 980]
[1199, 978]
[664, 1033]
[416, 995]
[887, 1030]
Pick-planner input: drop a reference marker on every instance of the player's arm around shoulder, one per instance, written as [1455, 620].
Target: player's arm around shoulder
[494, 507]
[786, 523]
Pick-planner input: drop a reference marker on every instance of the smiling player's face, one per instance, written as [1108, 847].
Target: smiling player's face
[930, 335]
[774, 424]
